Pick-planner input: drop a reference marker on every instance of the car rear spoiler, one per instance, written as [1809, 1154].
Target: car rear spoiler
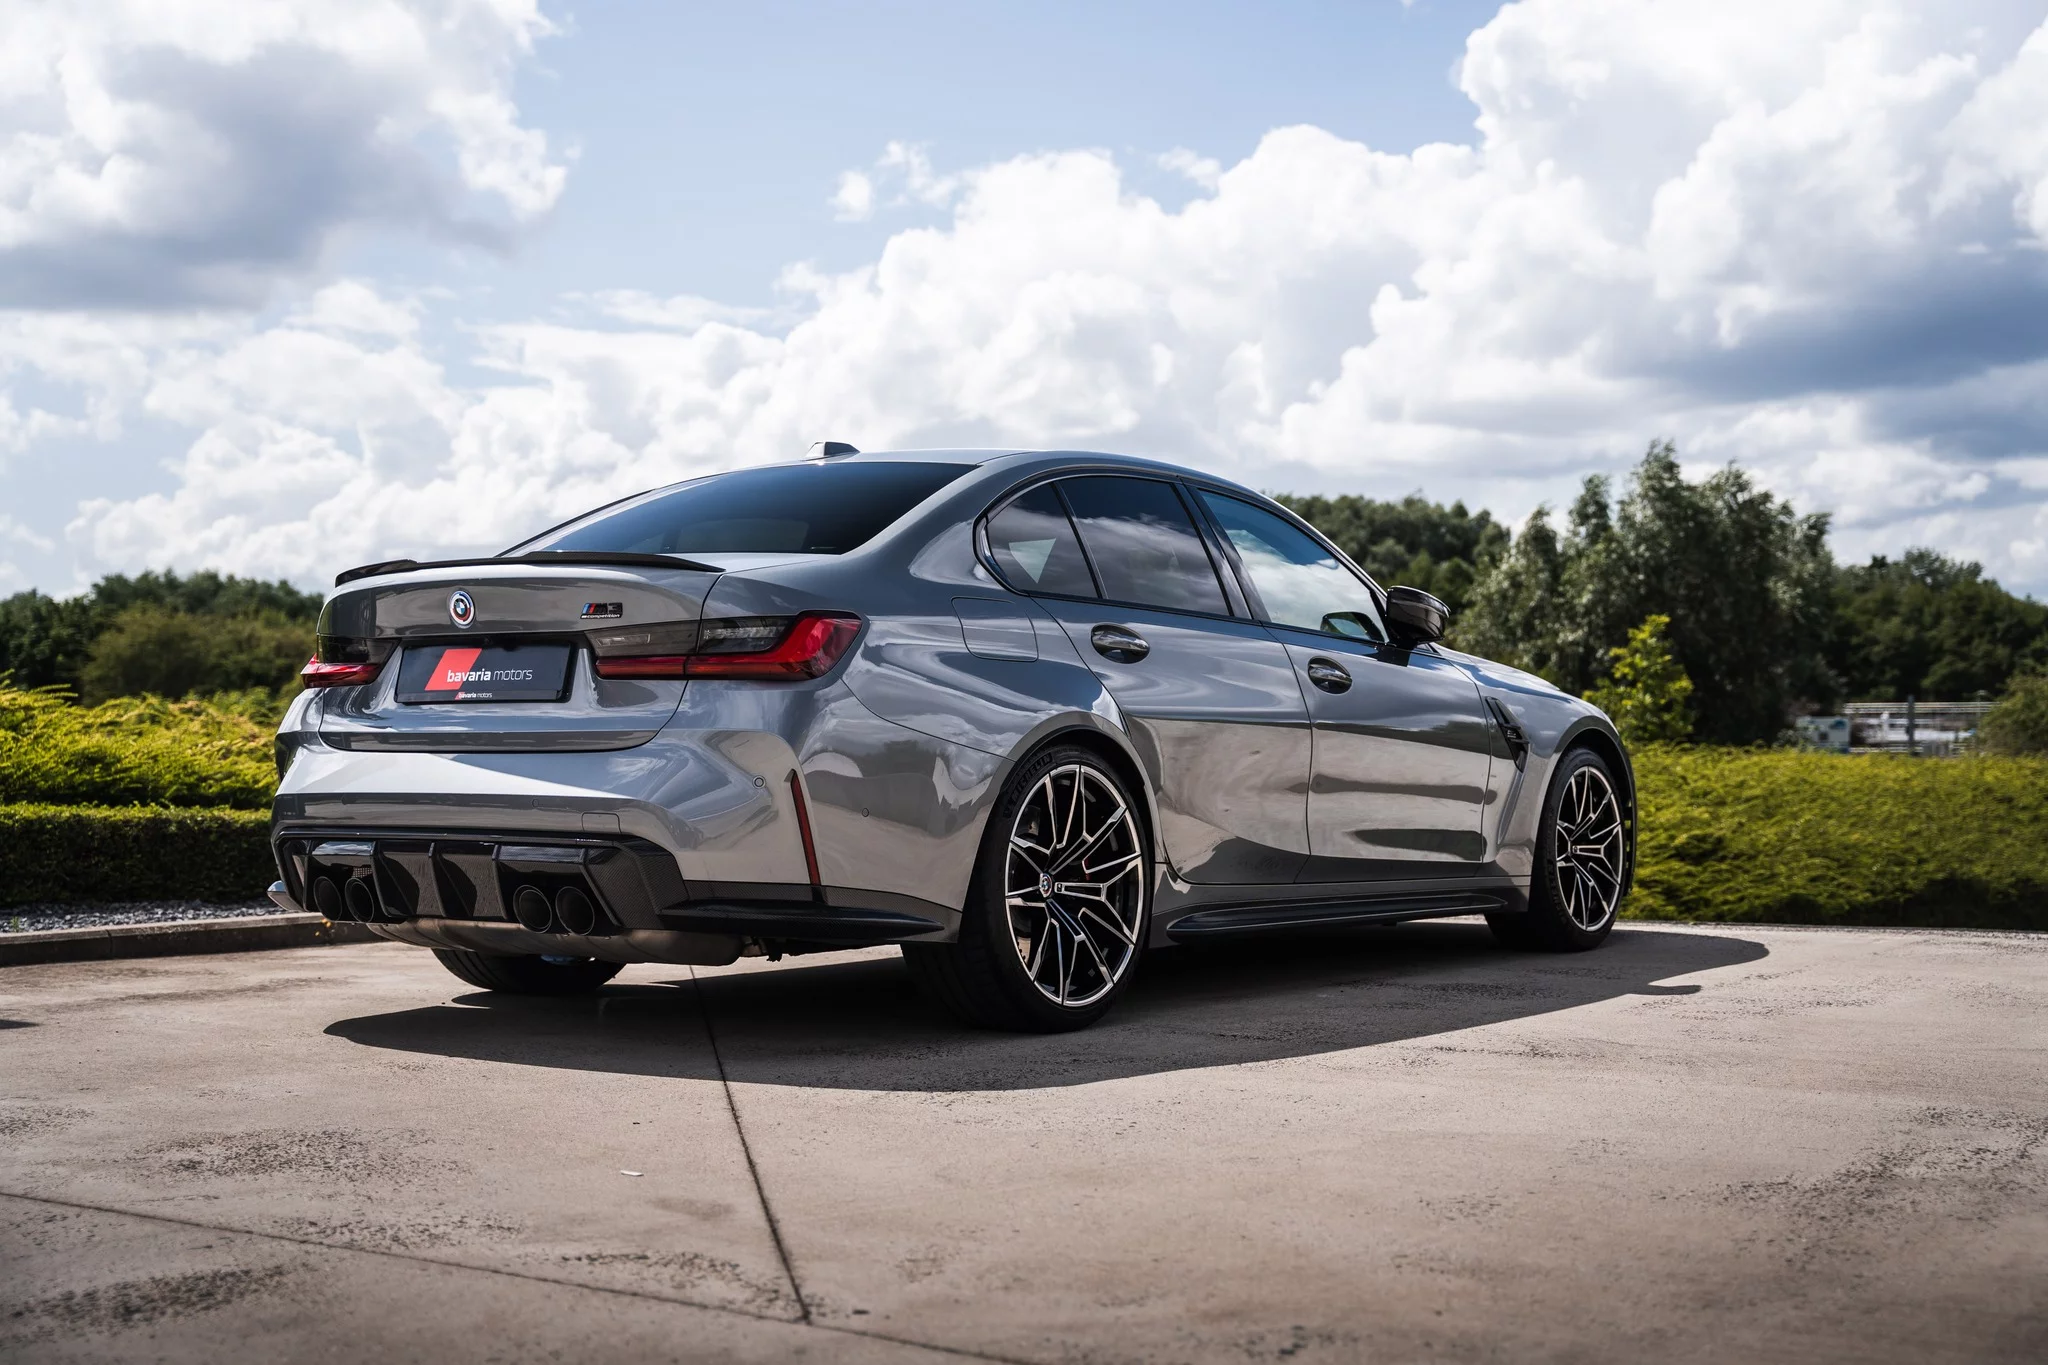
[615, 558]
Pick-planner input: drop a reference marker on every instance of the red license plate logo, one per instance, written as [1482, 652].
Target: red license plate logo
[452, 670]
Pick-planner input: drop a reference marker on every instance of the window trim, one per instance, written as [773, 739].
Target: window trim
[985, 551]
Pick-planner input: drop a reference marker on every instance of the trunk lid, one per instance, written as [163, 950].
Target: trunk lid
[508, 609]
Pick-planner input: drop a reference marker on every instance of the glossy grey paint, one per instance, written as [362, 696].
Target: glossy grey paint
[1219, 728]
[1403, 755]
[901, 751]
[512, 599]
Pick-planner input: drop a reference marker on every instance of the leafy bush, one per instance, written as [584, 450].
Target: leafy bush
[1647, 694]
[1813, 838]
[149, 650]
[1747, 582]
[2019, 723]
[81, 854]
[1931, 627]
[46, 641]
[137, 749]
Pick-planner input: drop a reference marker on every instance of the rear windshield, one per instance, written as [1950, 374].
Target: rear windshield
[812, 509]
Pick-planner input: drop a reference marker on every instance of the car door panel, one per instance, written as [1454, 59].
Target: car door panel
[1215, 715]
[1401, 742]
[1400, 764]
[1208, 697]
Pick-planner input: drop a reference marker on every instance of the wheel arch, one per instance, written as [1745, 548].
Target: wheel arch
[1114, 749]
[1607, 746]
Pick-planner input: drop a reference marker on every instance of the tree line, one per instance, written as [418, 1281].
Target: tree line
[160, 634]
[1757, 617]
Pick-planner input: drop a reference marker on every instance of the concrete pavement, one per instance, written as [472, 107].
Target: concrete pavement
[1391, 1145]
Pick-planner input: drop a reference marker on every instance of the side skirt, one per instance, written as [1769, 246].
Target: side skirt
[1384, 908]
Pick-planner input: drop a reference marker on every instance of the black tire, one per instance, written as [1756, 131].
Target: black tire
[528, 975]
[983, 979]
[1560, 917]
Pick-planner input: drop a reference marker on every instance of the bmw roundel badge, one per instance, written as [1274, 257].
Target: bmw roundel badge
[461, 610]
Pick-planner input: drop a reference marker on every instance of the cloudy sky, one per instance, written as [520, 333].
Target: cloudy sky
[288, 287]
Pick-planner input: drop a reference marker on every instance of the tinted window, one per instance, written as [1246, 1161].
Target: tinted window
[1298, 581]
[1035, 548]
[813, 509]
[1143, 544]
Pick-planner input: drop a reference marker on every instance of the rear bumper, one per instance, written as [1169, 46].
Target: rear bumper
[711, 810]
[618, 898]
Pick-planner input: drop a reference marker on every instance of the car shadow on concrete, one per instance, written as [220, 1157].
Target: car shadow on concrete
[860, 1024]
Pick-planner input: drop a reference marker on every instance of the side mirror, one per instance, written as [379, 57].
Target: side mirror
[1414, 617]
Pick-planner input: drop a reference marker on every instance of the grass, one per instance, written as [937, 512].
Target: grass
[1772, 835]
[137, 750]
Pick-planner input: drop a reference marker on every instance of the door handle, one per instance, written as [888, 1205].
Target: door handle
[1329, 675]
[1120, 644]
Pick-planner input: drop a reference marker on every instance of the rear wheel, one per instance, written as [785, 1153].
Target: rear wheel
[1581, 870]
[1057, 912]
[528, 975]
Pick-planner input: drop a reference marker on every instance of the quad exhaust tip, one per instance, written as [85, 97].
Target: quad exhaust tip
[574, 912]
[327, 897]
[570, 912]
[358, 901]
[361, 900]
[533, 910]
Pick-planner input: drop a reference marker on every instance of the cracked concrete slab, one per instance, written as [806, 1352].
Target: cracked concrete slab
[1695, 1144]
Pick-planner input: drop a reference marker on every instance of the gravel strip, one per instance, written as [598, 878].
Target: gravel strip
[22, 919]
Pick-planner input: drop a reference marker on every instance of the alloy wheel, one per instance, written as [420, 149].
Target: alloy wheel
[1589, 849]
[1074, 886]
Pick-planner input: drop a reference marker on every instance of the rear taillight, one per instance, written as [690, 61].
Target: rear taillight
[317, 674]
[342, 662]
[762, 647]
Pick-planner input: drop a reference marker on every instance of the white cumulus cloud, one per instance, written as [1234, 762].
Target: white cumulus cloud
[1824, 255]
[173, 152]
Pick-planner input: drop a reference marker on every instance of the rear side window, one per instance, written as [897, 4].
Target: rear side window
[1143, 543]
[1035, 546]
[812, 509]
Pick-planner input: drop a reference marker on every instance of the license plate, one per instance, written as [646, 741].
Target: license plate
[439, 673]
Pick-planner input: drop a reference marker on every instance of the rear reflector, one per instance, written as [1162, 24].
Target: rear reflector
[807, 646]
[803, 828]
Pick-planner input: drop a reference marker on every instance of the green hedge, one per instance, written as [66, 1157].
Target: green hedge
[1726, 834]
[1772, 835]
[135, 750]
[77, 854]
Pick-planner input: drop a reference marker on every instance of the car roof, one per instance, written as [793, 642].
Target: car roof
[1036, 461]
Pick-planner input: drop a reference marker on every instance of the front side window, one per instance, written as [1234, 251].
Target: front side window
[1299, 582]
[1034, 546]
[1143, 543]
[811, 509]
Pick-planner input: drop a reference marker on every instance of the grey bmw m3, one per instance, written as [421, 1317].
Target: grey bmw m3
[1027, 714]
